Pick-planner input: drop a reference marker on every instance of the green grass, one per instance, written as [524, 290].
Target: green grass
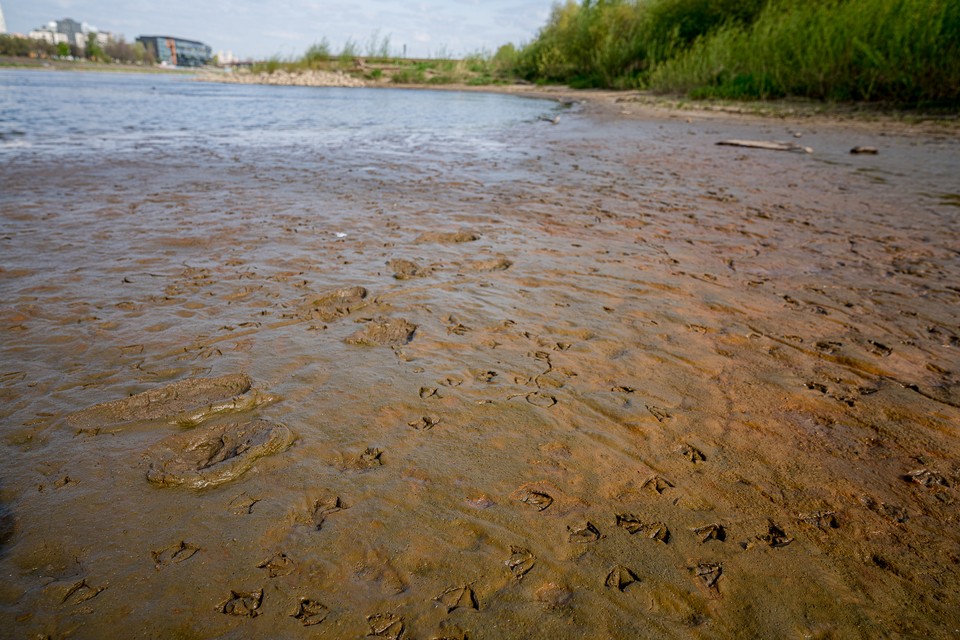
[898, 51]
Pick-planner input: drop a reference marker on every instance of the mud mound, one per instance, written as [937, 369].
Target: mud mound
[334, 304]
[406, 269]
[209, 456]
[448, 237]
[384, 333]
[493, 264]
[188, 401]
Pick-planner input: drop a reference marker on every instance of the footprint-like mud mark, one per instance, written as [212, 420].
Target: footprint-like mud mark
[653, 530]
[310, 612]
[774, 537]
[692, 454]
[892, 511]
[711, 532]
[320, 509]
[174, 554]
[424, 423]
[381, 332]
[385, 625]
[539, 399]
[278, 565]
[657, 484]
[243, 504]
[821, 519]
[546, 497]
[242, 603]
[520, 562]
[620, 577]
[708, 574]
[458, 598]
[660, 414]
[926, 478]
[333, 304]
[406, 269]
[429, 392]
[80, 592]
[584, 533]
[447, 237]
[369, 459]
[536, 499]
[212, 455]
[455, 327]
[377, 568]
[188, 401]
[483, 376]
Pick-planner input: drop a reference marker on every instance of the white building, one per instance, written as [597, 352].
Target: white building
[70, 32]
[3, 23]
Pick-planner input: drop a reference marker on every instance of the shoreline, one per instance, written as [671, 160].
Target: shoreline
[637, 104]
[630, 104]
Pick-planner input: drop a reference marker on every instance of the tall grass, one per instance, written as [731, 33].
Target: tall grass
[614, 43]
[905, 51]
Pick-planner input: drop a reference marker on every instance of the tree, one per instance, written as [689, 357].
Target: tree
[94, 50]
[63, 49]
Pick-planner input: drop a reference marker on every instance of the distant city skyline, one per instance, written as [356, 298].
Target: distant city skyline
[287, 28]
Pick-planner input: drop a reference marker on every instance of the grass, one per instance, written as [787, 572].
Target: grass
[898, 51]
[894, 52]
[375, 62]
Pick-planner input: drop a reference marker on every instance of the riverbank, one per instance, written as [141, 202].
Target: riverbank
[634, 104]
[599, 378]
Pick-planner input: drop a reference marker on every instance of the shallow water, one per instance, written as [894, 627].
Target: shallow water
[648, 326]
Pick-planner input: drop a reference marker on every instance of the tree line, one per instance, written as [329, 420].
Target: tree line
[115, 50]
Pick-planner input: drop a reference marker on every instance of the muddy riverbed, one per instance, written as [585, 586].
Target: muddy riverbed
[613, 380]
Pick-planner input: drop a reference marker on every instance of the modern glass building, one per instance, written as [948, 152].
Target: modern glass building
[177, 51]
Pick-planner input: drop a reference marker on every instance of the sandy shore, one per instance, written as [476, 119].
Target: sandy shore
[618, 382]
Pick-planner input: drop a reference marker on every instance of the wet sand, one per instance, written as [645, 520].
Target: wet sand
[620, 382]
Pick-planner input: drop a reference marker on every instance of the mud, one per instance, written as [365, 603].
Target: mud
[187, 402]
[208, 456]
[656, 387]
[384, 332]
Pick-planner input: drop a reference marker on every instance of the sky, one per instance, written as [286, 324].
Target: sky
[264, 28]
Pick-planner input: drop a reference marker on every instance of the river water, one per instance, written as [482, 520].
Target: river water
[602, 378]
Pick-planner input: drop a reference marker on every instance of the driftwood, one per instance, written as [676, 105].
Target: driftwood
[772, 146]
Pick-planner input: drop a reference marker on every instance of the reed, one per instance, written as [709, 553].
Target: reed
[901, 51]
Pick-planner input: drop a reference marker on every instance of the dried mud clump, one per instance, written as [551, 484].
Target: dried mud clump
[493, 264]
[448, 237]
[406, 269]
[334, 304]
[191, 400]
[208, 456]
[384, 333]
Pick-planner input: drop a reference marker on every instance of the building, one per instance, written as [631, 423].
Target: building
[70, 32]
[176, 51]
[3, 23]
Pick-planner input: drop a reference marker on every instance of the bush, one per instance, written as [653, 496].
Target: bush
[904, 51]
